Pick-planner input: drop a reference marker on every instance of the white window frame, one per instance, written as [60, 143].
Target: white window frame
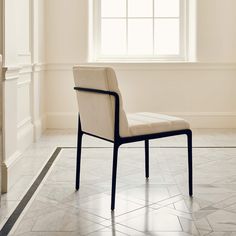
[96, 36]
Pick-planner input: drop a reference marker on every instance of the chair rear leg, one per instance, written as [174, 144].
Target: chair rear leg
[78, 159]
[190, 168]
[114, 173]
[147, 158]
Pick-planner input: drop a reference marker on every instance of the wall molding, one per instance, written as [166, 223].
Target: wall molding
[9, 176]
[25, 69]
[12, 159]
[214, 120]
[160, 66]
[38, 67]
[11, 73]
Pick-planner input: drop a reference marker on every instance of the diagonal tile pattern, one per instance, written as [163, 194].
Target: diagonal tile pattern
[160, 206]
[166, 191]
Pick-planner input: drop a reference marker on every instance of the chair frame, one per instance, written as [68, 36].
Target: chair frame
[118, 141]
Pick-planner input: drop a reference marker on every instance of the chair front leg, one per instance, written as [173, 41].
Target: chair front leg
[190, 163]
[78, 158]
[114, 173]
[147, 158]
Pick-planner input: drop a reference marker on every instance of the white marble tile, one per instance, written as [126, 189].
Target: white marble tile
[222, 221]
[154, 222]
[160, 206]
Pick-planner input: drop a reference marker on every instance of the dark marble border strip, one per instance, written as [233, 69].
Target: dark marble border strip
[25, 200]
[21, 206]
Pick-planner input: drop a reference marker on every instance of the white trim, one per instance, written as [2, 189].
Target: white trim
[171, 66]
[12, 159]
[37, 67]
[11, 73]
[39, 127]
[183, 35]
[59, 67]
[25, 69]
[9, 176]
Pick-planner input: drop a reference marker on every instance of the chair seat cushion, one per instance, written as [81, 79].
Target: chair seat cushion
[150, 123]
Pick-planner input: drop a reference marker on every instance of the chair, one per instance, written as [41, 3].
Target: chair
[101, 115]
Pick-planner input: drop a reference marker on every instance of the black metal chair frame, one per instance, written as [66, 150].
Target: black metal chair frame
[118, 141]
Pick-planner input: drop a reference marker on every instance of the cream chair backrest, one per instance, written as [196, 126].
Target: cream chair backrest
[97, 111]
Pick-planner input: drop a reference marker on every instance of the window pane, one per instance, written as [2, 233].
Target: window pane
[140, 36]
[113, 8]
[113, 37]
[167, 36]
[140, 8]
[167, 8]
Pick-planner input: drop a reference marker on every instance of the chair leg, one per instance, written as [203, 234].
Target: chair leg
[114, 172]
[78, 161]
[190, 168]
[147, 158]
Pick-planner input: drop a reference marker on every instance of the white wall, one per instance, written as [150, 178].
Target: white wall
[23, 52]
[216, 40]
[1, 144]
[202, 92]
[67, 43]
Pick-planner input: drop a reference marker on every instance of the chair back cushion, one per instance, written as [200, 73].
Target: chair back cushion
[97, 111]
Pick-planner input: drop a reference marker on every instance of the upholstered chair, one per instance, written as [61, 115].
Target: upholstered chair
[101, 115]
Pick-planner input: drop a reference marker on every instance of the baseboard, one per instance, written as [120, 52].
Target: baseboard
[201, 120]
[10, 167]
[25, 137]
[44, 124]
[39, 127]
[10, 172]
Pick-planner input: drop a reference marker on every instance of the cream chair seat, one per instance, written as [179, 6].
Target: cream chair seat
[101, 114]
[150, 123]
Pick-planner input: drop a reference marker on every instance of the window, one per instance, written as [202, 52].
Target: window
[140, 29]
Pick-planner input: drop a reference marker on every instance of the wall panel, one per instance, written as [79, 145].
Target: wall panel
[22, 103]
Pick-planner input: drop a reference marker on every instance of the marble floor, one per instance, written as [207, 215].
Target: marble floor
[160, 206]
